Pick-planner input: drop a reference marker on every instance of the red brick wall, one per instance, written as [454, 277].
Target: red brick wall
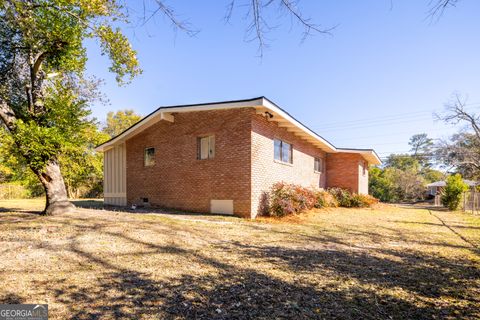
[178, 179]
[266, 171]
[242, 170]
[344, 171]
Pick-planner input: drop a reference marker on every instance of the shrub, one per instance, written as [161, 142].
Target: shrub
[324, 200]
[452, 194]
[363, 200]
[281, 200]
[285, 199]
[343, 197]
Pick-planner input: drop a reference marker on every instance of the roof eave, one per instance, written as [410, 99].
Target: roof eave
[369, 154]
[260, 103]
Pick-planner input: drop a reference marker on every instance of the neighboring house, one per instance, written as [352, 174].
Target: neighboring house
[223, 157]
[436, 188]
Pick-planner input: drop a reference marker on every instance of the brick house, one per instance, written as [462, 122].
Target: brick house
[222, 157]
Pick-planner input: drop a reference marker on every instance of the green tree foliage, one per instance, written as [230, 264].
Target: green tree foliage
[381, 185]
[394, 185]
[404, 162]
[420, 144]
[404, 177]
[119, 121]
[82, 167]
[43, 90]
[452, 194]
[421, 148]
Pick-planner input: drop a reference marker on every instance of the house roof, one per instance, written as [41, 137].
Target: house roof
[262, 106]
[470, 183]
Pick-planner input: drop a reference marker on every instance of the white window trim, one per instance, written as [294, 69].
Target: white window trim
[321, 165]
[281, 148]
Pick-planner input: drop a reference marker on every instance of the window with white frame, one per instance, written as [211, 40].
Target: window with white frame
[149, 157]
[318, 165]
[283, 151]
[205, 147]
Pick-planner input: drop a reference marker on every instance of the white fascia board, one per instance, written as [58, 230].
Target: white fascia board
[137, 128]
[279, 112]
[215, 106]
[165, 114]
[369, 155]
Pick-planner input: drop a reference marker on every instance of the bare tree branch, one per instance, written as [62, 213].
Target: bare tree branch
[438, 7]
[308, 26]
[462, 150]
[169, 12]
[259, 26]
[456, 113]
[228, 14]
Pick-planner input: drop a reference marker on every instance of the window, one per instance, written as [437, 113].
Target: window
[282, 151]
[205, 147]
[318, 165]
[149, 157]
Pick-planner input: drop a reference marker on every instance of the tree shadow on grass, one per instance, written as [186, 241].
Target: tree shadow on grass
[428, 275]
[229, 294]
[11, 298]
[88, 203]
[350, 284]
[233, 292]
[19, 210]
[436, 224]
[244, 293]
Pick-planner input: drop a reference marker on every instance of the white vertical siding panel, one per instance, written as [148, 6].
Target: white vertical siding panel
[115, 171]
[115, 176]
[124, 171]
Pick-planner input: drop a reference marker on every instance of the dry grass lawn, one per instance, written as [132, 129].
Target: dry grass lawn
[388, 263]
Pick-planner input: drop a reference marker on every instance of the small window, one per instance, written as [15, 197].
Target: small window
[283, 151]
[206, 147]
[318, 165]
[149, 157]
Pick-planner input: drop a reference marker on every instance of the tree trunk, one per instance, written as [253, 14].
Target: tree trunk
[50, 177]
[55, 191]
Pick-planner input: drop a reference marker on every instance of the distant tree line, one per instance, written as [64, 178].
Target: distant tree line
[403, 177]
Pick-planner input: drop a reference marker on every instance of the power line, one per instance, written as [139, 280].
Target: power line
[391, 135]
[373, 125]
[373, 122]
[371, 119]
[382, 119]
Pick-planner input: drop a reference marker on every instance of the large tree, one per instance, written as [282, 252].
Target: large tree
[461, 152]
[44, 93]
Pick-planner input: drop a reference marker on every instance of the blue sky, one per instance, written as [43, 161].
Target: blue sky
[374, 82]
